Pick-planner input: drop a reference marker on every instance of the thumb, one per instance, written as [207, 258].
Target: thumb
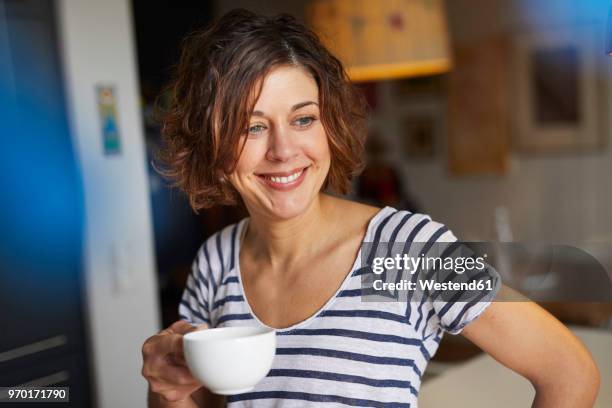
[202, 326]
[194, 327]
[179, 358]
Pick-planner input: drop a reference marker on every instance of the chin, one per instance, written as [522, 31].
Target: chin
[289, 208]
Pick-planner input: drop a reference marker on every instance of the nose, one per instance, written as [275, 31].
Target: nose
[282, 145]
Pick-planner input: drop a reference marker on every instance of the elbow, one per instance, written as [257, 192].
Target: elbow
[576, 382]
[587, 379]
[591, 378]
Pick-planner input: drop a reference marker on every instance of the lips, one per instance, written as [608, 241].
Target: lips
[282, 173]
[284, 180]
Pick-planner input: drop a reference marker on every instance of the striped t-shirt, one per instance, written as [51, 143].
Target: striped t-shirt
[350, 352]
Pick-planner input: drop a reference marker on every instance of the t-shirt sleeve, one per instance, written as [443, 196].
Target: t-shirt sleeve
[194, 305]
[450, 282]
[474, 288]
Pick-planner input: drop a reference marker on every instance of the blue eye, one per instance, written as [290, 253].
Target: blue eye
[255, 129]
[305, 121]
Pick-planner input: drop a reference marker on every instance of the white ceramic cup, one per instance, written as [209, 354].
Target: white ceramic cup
[230, 360]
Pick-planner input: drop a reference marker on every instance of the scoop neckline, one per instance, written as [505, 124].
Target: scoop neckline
[239, 237]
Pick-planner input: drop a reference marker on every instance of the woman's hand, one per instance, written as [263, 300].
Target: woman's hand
[164, 365]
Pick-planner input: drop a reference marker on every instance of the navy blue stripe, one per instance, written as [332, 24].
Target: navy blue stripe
[424, 251]
[230, 279]
[186, 318]
[202, 279]
[385, 338]
[194, 312]
[459, 294]
[436, 274]
[399, 227]
[407, 245]
[390, 248]
[452, 247]
[366, 268]
[413, 233]
[361, 271]
[220, 254]
[303, 396]
[359, 292]
[429, 316]
[198, 275]
[434, 237]
[193, 294]
[425, 352]
[228, 317]
[212, 278]
[347, 355]
[232, 298]
[445, 254]
[449, 304]
[234, 231]
[448, 278]
[377, 235]
[348, 378]
[434, 270]
[420, 309]
[349, 293]
[467, 307]
[376, 314]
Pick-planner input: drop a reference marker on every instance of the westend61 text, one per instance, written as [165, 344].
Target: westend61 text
[432, 285]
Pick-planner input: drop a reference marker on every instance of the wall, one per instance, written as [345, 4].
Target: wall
[556, 197]
[121, 293]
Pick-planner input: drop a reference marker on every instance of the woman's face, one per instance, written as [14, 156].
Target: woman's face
[286, 156]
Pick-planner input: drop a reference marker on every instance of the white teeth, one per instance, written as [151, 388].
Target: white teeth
[288, 179]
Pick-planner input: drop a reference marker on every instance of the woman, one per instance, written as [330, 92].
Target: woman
[262, 112]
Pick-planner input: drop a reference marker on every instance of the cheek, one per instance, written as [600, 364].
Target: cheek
[319, 146]
[251, 156]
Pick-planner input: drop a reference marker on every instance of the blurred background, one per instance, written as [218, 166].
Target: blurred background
[491, 116]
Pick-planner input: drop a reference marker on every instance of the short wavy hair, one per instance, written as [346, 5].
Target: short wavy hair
[214, 89]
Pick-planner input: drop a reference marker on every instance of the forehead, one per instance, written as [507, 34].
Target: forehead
[285, 86]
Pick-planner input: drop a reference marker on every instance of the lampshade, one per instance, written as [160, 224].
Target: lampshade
[384, 39]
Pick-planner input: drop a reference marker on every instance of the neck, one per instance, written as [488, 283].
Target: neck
[283, 243]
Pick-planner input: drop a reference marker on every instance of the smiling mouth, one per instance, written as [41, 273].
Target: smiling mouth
[283, 178]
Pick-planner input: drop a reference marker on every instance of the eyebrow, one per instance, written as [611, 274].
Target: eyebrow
[293, 108]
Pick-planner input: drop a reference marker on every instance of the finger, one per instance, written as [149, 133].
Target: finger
[181, 327]
[165, 344]
[177, 359]
[202, 326]
[176, 344]
[174, 393]
[160, 386]
[175, 375]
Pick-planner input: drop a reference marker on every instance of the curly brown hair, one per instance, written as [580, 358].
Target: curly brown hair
[214, 89]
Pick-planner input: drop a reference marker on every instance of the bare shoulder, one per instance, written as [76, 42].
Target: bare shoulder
[358, 213]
